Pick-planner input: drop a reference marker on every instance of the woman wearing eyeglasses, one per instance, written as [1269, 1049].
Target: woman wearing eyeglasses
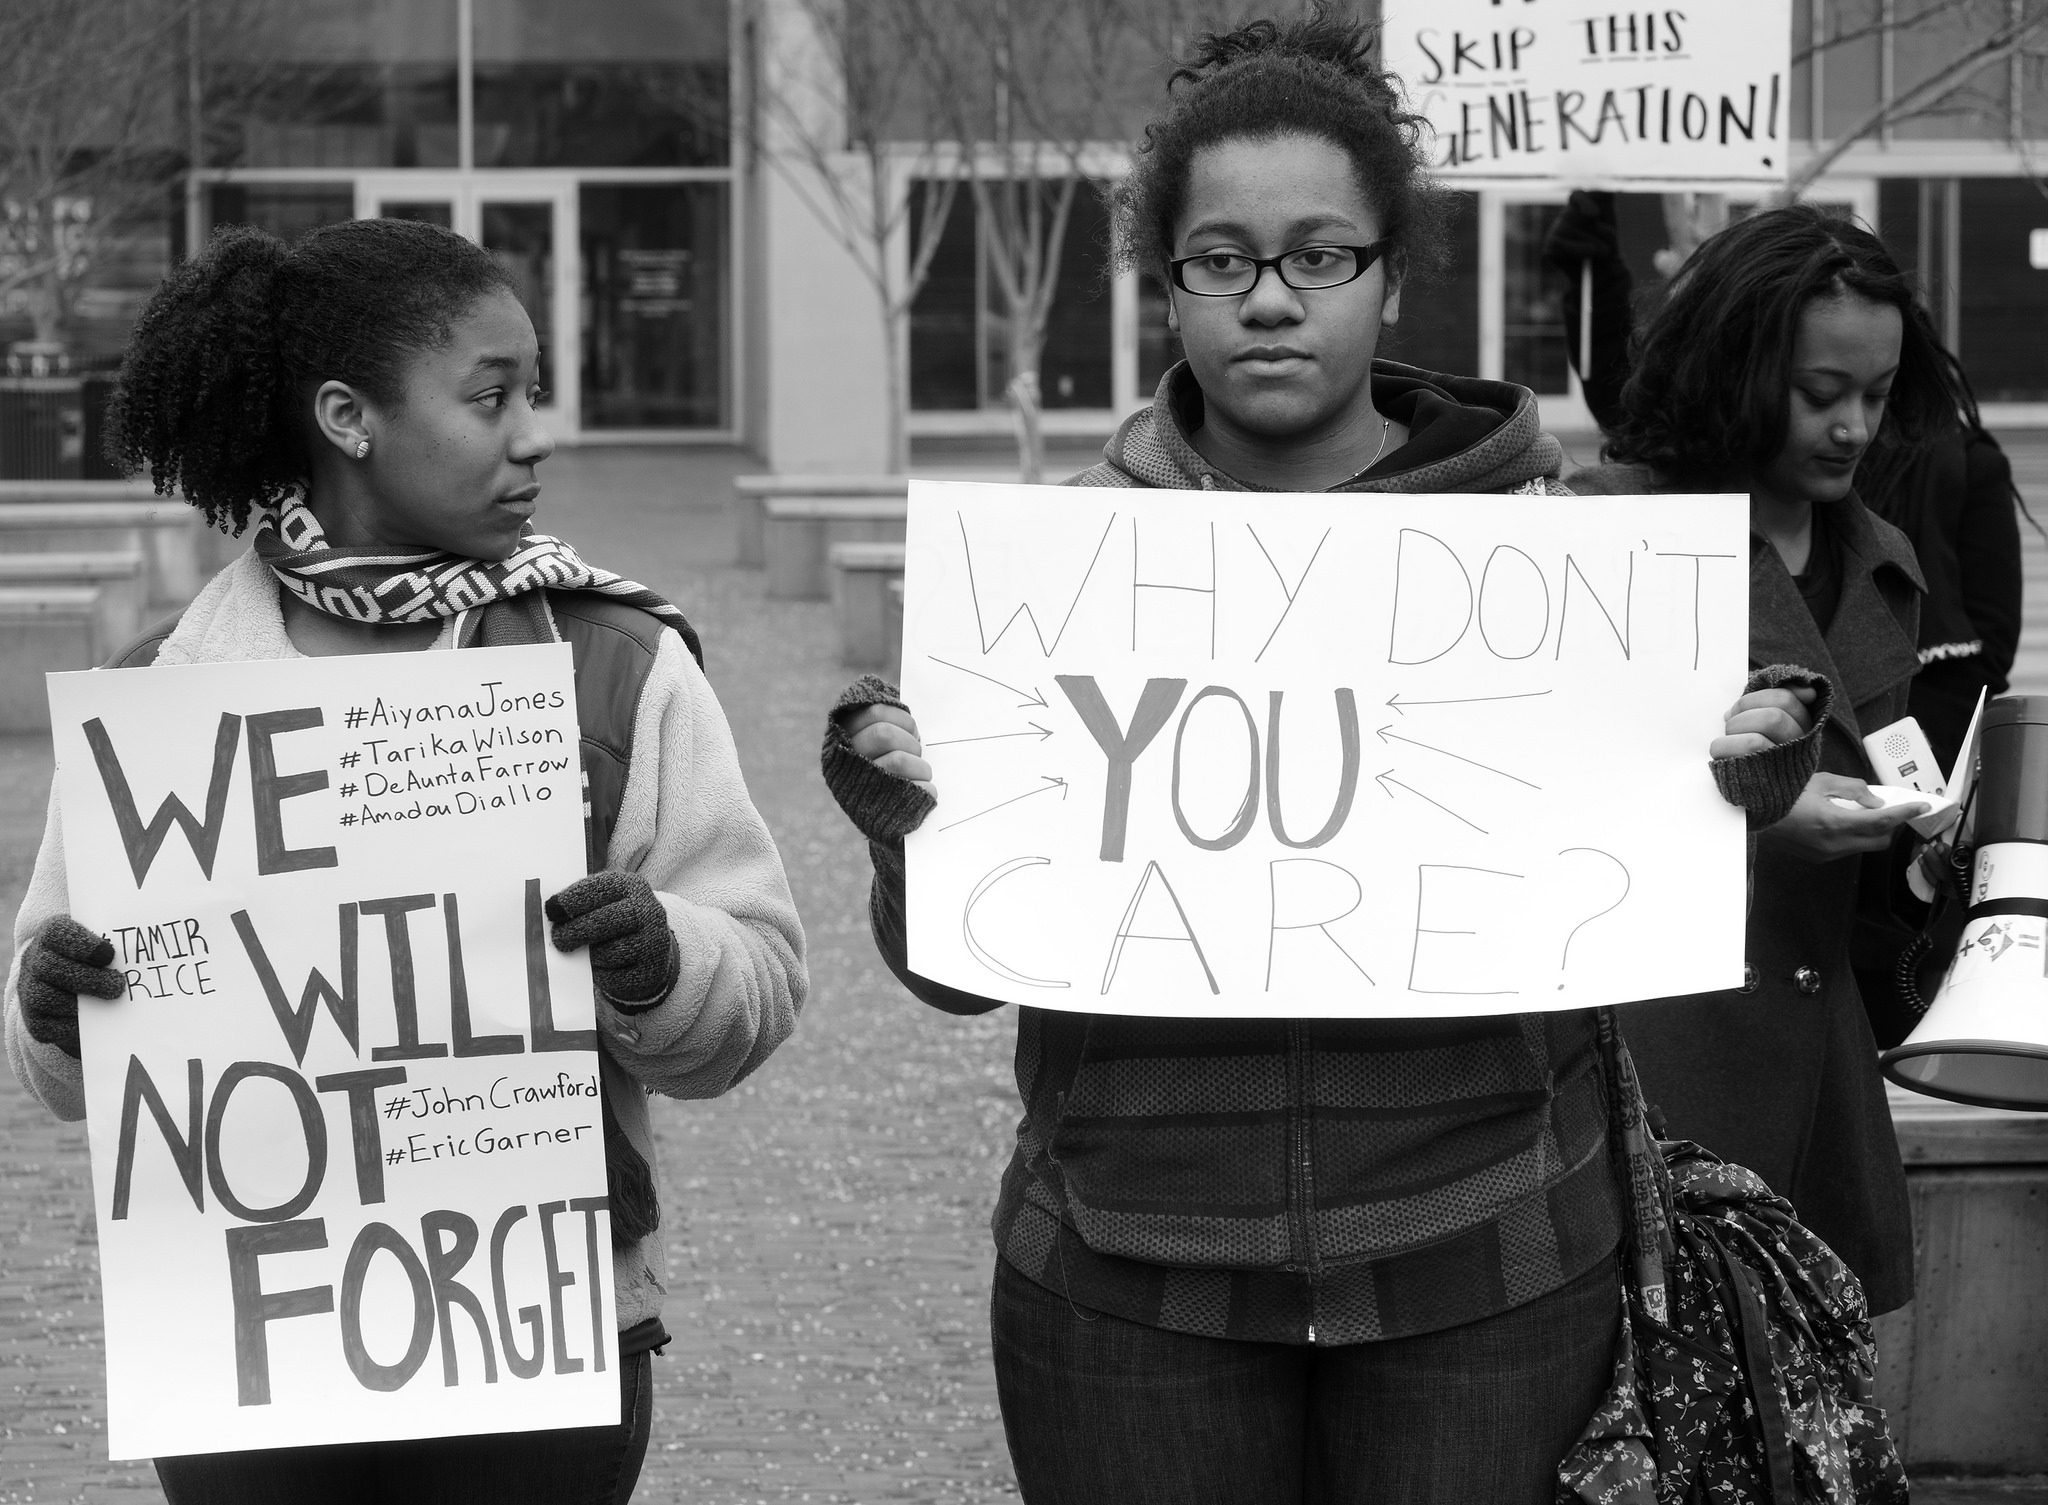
[1285, 1260]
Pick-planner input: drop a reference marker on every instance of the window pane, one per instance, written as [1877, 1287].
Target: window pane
[286, 210]
[654, 294]
[942, 333]
[1439, 328]
[1158, 347]
[1073, 371]
[2004, 299]
[426, 211]
[334, 83]
[1532, 298]
[521, 237]
[602, 83]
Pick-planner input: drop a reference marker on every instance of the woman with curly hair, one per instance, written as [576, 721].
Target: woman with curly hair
[1285, 1260]
[366, 399]
[1789, 342]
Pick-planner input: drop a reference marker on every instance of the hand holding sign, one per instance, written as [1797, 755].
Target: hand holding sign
[346, 1132]
[1322, 756]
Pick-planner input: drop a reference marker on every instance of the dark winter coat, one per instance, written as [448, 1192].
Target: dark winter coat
[1781, 1075]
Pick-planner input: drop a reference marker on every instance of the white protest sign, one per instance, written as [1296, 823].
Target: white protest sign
[1211, 754]
[1563, 91]
[347, 1149]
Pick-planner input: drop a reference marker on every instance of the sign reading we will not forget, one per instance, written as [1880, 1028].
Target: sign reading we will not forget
[1212, 754]
[1647, 98]
[347, 1146]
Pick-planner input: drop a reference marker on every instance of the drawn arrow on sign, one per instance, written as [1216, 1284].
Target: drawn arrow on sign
[1031, 697]
[1400, 707]
[1050, 783]
[1387, 734]
[1388, 778]
[1040, 732]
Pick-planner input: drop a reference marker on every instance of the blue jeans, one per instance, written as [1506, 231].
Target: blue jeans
[572, 1466]
[1101, 1411]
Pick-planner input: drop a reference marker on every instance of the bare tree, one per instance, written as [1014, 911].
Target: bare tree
[89, 97]
[1030, 90]
[832, 128]
[1987, 33]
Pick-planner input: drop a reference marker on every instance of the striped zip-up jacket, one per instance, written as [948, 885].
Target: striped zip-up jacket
[1320, 1181]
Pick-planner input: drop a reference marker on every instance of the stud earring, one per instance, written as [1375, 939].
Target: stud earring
[363, 449]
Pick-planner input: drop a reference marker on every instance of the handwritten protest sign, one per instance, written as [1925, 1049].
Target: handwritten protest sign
[1563, 91]
[348, 1154]
[1220, 755]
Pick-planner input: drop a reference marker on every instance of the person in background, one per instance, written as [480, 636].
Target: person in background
[1952, 494]
[1788, 343]
[367, 399]
[1279, 1260]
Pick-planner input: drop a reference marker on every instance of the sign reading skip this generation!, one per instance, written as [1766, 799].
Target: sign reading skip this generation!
[1569, 91]
[1207, 754]
[347, 1148]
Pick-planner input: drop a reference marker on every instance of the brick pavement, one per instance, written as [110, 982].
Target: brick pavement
[829, 1253]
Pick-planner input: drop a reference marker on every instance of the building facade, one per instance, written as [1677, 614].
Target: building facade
[617, 157]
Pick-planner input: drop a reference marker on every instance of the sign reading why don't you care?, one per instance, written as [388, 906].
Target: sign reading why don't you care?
[347, 1145]
[1219, 755]
[1643, 98]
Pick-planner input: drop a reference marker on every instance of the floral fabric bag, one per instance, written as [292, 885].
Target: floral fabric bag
[1745, 1372]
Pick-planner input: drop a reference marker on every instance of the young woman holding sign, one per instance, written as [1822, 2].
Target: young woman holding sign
[366, 399]
[1786, 343]
[1279, 1260]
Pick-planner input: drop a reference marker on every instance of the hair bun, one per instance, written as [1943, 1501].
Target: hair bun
[1323, 34]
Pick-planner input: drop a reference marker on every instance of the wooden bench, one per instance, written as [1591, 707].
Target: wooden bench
[750, 495]
[42, 628]
[1963, 1371]
[119, 580]
[862, 574]
[801, 529]
[167, 532]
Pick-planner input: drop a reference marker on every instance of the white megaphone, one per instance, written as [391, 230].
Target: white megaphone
[1984, 1040]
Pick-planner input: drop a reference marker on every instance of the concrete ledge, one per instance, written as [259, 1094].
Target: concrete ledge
[862, 574]
[749, 493]
[798, 531]
[1963, 1371]
[166, 531]
[42, 629]
[119, 579]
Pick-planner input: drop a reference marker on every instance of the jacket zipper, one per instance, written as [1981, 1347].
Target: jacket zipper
[1302, 1229]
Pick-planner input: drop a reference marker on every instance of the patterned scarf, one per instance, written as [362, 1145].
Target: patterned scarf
[375, 585]
[497, 605]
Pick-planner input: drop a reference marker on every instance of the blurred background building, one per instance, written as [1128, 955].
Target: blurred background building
[753, 221]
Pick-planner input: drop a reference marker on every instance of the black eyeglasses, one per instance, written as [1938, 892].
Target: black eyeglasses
[1226, 274]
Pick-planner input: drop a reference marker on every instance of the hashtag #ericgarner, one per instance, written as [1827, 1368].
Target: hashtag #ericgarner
[393, 1157]
[356, 716]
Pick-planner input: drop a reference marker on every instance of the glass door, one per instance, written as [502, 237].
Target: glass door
[528, 225]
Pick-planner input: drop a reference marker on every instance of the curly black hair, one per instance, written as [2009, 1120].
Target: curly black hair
[1314, 75]
[215, 390]
[1708, 399]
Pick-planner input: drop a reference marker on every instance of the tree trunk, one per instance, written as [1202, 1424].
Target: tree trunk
[1027, 348]
[898, 445]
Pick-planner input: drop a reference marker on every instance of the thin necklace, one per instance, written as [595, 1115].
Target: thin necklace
[1386, 424]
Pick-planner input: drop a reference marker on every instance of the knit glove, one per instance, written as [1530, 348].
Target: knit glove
[634, 957]
[62, 961]
[881, 806]
[1767, 783]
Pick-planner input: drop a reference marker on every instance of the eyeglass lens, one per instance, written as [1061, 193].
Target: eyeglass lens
[1310, 267]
